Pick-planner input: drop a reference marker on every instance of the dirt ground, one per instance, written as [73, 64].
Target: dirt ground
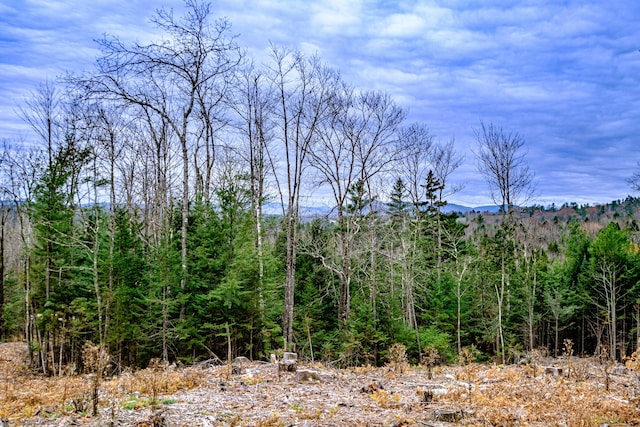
[562, 392]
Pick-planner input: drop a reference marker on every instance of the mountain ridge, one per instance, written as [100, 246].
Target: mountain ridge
[314, 211]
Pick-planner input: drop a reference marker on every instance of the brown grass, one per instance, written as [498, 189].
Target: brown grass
[486, 395]
[25, 394]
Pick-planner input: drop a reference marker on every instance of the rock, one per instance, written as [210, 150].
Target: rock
[447, 415]
[239, 364]
[620, 370]
[304, 375]
[372, 388]
[241, 361]
[552, 370]
[46, 411]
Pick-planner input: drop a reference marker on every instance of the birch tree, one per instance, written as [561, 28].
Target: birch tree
[303, 88]
[254, 105]
[179, 80]
[611, 267]
[501, 161]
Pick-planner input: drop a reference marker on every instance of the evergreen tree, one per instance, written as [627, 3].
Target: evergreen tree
[612, 267]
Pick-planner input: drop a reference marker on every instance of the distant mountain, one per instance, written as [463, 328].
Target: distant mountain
[310, 212]
[487, 208]
[452, 207]
[275, 209]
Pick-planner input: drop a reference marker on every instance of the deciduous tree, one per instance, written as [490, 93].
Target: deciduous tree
[303, 88]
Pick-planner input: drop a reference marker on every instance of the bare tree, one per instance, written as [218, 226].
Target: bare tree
[415, 165]
[42, 113]
[377, 120]
[254, 106]
[417, 143]
[179, 80]
[634, 180]
[21, 166]
[459, 251]
[303, 87]
[501, 161]
[107, 129]
[444, 161]
[356, 144]
[333, 157]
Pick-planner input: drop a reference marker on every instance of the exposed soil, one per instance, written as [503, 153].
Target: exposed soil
[572, 392]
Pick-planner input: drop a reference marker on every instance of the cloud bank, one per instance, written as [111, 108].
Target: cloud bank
[564, 75]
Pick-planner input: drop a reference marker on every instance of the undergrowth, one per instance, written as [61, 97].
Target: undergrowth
[585, 393]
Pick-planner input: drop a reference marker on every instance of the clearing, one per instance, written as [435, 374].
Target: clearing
[551, 392]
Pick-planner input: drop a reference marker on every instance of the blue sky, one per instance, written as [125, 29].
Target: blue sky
[563, 74]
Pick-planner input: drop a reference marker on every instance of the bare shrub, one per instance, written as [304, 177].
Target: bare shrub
[397, 357]
[633, 364]
[567, 353]
[430, 358]
[96, 360]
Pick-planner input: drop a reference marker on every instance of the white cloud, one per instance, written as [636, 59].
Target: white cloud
[336, 16]
[564, 74]
[404, 26]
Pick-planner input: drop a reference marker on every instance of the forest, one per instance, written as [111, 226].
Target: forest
[135, 219]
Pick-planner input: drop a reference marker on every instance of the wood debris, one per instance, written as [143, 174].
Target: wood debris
[317, 395]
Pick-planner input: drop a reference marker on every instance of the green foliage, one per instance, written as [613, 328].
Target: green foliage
[114, 274]
[441, 341]
[231, 284]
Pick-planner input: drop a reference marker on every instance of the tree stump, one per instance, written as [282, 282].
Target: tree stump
[289, 362]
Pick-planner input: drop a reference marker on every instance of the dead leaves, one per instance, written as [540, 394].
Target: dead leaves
[259, 396]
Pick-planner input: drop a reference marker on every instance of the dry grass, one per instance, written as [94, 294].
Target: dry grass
[24, 394]
[511, 396]
[477, 394]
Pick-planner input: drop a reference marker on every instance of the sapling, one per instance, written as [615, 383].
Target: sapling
[467, 357]
[397, 356]
[430, 358]
[568, 352]
[633, 364]
[95, 359]
[606, 362]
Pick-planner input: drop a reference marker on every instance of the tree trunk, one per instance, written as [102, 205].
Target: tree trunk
[290, 279]
[345, 272]
[373, 260]
[3, 219]
[185, 215]
[500, 299]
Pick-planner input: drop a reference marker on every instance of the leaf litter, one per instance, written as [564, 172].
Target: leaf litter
[257, 394]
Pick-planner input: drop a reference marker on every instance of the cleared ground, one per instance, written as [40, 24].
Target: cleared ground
[583, 393]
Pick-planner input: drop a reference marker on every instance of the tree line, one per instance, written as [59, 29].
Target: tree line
[135, 219]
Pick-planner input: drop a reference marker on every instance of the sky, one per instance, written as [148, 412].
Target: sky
[563, 74]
